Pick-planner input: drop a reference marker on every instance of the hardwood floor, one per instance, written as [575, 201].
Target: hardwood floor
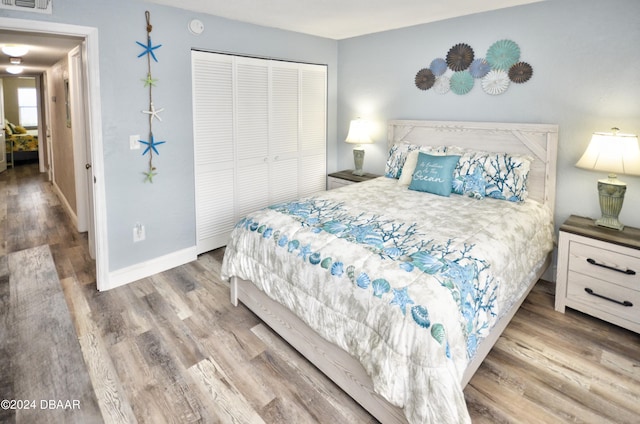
[40, 331]
[170, 348]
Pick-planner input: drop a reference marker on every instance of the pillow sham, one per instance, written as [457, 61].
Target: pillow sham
[434, 174]
[507, 176]
[472, 185]
[467, 165]
[397, 156]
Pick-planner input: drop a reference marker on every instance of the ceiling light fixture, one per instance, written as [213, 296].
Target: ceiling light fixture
[14, 69]
[15, 50]
[15, 60]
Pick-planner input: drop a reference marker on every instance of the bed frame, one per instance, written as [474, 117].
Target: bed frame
[14, 156]
[538, 140]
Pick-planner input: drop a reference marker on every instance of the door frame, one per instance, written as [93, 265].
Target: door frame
[81, 148]
[3, 144]
[93, 122]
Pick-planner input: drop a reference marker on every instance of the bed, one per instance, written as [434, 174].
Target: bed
[395, 291]
[21, 144]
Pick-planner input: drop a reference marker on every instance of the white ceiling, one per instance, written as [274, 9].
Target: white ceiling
[44, 51]
[339, 19]
[334, 19]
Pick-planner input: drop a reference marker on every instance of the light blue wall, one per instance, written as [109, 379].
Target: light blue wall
[586, 78]
[166, 207]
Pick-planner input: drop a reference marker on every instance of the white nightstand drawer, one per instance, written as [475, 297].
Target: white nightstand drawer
[598, 295]
[605, 264]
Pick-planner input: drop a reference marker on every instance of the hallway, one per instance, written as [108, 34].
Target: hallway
[31, 215]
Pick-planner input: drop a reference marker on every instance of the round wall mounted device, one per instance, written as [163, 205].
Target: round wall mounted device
[196, 26]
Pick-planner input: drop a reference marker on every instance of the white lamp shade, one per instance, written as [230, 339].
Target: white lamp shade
[358, 132]
[612, 152]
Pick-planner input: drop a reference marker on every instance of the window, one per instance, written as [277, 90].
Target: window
[28, 107]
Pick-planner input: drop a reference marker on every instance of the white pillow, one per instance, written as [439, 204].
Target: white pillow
[409, 166]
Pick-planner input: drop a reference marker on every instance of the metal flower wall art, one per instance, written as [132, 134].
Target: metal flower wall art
[460, 69]
[153, 113]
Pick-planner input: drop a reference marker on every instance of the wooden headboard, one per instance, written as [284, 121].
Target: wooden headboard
[540, 141]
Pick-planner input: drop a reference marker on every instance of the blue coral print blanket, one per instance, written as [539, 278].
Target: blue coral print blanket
[407, 282]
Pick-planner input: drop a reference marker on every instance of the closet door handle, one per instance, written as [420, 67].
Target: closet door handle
[624, 271]
[592, 293]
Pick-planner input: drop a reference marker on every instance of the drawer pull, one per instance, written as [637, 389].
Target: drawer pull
[624, 271]
[592, 293]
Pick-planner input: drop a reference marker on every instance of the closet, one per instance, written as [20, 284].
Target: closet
[259, 137]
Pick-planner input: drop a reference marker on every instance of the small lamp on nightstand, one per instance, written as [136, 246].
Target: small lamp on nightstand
[614, 153]
[358, 135]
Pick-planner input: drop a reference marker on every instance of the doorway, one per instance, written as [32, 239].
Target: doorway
[89, 167]
[20, 98]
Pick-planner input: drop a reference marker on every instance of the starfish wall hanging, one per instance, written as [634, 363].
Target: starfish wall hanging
[150, 82]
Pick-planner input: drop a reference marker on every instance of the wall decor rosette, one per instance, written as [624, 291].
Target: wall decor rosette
[151, 143]
[460, 69]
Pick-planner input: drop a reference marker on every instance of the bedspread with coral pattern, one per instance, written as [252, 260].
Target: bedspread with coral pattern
[407, 282]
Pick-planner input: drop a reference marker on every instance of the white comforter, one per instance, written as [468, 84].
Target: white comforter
[406, 282]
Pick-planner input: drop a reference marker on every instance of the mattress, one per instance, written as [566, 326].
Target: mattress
[407, 282]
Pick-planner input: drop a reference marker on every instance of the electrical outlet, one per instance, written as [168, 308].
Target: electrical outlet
[138, 233]
[134, 142]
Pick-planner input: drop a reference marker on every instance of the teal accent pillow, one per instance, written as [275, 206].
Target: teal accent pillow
[434, 174]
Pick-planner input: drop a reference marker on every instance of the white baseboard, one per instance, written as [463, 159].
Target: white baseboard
[65, 204]
[146, 269]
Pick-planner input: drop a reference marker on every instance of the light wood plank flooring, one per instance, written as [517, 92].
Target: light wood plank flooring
[38, 330]
[170, 348]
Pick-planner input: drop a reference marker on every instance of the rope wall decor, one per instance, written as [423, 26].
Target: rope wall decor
[153, 113]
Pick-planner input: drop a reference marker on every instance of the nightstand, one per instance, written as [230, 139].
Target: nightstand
[346, 177]
[599, 272]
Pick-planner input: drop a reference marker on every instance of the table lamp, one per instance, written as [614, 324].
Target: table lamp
[614, 153]
[358, 135]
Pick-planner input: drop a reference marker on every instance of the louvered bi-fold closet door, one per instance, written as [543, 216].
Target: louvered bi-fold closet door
[272, 140]
[252, 134]
[313, 129]
[283, 136]
[213, 99]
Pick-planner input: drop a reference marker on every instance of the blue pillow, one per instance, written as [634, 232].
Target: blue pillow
[472, 184]
[434, 174]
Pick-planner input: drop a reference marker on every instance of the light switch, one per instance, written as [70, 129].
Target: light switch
[134, 142]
